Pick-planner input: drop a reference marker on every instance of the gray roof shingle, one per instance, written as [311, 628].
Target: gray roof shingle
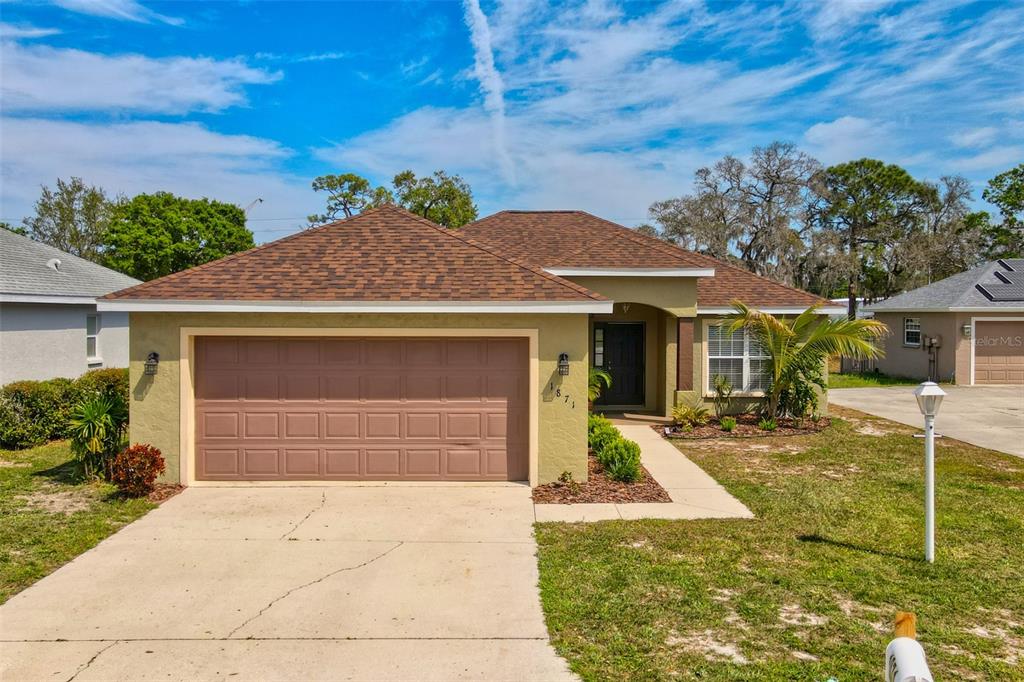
[25, 270]
[963, 290]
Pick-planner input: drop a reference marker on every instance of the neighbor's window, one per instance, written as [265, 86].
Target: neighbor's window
[599, 347]
[92, 330]
[737, 357]
[911, 331]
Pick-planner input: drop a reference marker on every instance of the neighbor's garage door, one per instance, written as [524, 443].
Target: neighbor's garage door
[999, 352]
[361, 408]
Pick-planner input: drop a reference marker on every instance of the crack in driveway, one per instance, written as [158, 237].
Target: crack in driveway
[323, 501]
[313, 582]
[91, 660]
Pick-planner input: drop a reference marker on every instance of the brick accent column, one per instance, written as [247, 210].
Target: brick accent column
[684, 365]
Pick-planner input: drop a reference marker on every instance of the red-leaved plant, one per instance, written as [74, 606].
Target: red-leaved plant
[134, 469]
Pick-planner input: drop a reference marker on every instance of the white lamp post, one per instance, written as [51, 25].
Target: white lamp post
[929, 397]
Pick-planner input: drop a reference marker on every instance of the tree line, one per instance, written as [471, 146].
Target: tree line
[152, 235]
[861, 229]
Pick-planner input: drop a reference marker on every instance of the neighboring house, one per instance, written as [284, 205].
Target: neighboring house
[968, 327]
[49, 325]
[385, 347]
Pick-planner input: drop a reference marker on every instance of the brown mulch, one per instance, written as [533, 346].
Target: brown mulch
[164, 491]
[600, 488]
[746, 427]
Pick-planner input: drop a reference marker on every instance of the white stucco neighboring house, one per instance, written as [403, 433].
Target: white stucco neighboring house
[49, 326]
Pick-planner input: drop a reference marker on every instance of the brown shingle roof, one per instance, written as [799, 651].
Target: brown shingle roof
[385, 254]
[578, 239]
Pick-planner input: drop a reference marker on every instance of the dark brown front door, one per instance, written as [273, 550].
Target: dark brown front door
[623, 358]
[361, 408]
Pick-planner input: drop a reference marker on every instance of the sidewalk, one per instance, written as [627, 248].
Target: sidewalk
[695, 495]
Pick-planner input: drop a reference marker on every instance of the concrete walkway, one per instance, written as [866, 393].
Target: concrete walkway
[987, 416]
[695, 495]
[373, 582]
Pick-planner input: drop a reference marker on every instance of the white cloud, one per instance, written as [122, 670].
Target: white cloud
[490, 82]
[40, 78]
[846, 139]
[124, 10]
[24, 31]
[975, 137]
[129, 158]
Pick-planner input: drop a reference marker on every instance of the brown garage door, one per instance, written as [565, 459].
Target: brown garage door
[361, 408]
[999, 353]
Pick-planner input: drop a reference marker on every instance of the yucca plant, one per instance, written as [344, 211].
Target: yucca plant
[798, 346]
[97, 430]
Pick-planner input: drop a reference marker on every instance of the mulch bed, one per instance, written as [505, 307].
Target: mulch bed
[599, 488]
[746, 427]
[164, 491]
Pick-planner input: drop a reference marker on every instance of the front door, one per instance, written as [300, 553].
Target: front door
[619, 349]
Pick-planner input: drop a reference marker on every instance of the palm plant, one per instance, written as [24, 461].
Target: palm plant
[97, 430]
[798, 346]
[598, 381]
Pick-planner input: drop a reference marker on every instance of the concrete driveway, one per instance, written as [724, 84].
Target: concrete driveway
[374, 582]
[988, 416]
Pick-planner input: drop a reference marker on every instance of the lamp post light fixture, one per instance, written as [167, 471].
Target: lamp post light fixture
[929, 398]
[152, 362]
[563, 364]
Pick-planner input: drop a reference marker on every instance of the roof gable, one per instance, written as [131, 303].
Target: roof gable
[382, 255]
[563, 239]
[27, 268]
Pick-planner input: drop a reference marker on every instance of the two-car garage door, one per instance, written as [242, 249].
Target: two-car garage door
[298, 408]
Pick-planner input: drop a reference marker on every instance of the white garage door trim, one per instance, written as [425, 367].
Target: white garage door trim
[186, 367]
[974, 333]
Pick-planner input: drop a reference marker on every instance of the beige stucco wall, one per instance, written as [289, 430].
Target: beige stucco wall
[562, 428]
[676, 295]
[954, 355]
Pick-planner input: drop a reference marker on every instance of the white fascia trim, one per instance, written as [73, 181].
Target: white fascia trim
[44, 298]
[826, 310]
[631, 272]
[1014, 309]
[139, 305]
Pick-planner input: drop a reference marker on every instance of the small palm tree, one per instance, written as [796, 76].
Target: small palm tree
[598, 381]
[799, 346]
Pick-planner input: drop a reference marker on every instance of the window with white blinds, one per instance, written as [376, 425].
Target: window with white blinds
[737, 357]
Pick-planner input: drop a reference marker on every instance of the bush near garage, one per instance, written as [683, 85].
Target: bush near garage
[135, 469]
[621, 460]
[34, 412]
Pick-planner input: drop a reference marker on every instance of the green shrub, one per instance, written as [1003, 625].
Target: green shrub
[723, 395]
[728, 424]
[108, 381]
[601, 436]
[134, 470]
[621, 460]
[97, 429]
[768, 424]
[694, 414]
[595, 421]
[34, 412]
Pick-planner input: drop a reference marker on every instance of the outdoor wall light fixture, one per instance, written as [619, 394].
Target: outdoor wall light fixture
[152, 361]
[967, 331]
[563, 364]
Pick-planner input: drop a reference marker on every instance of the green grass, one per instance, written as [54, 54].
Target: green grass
[48, 517]
[836, 549]
[868, 379]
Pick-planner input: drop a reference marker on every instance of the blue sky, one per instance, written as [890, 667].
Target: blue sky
[594, 105]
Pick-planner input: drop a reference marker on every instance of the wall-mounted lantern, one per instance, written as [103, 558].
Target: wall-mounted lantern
[152, 361]
[967, 331]
[563, 364]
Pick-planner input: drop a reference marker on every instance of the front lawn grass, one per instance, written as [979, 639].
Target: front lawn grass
[48, 517]
[867, 380]
[808, 590]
